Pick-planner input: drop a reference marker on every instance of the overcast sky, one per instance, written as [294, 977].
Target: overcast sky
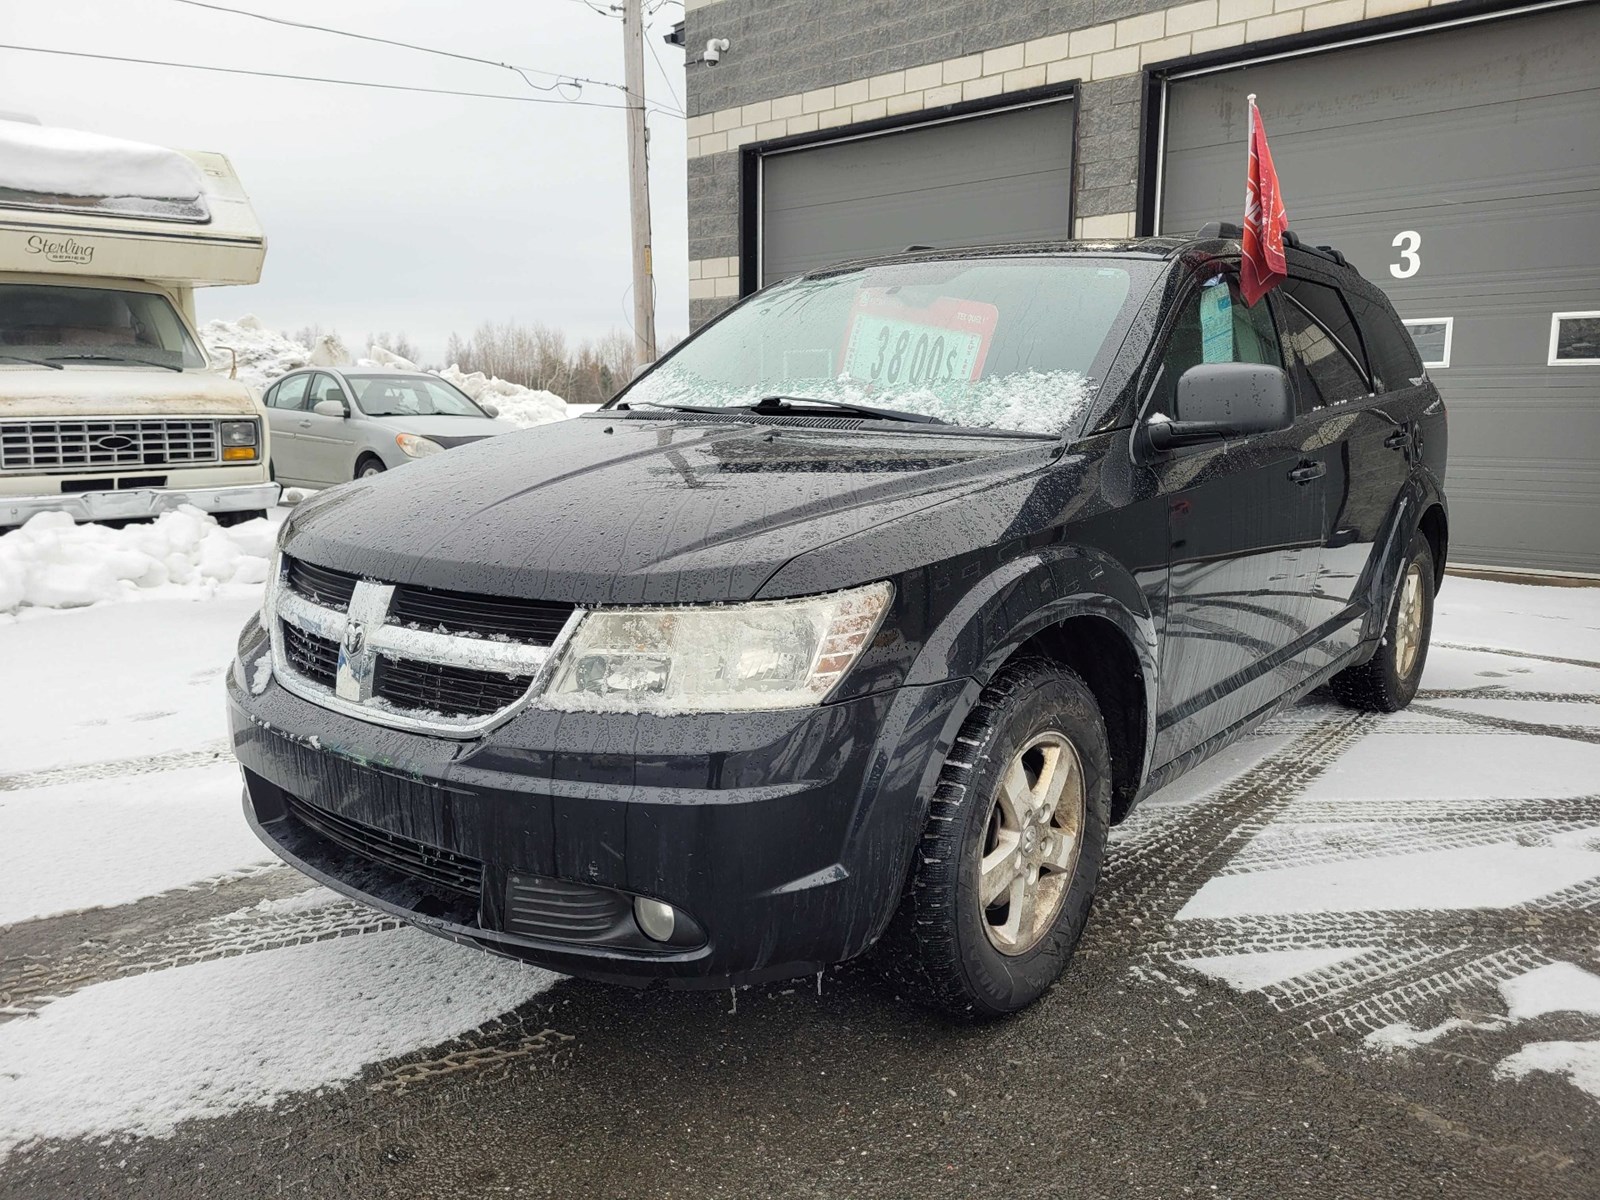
[390, 210]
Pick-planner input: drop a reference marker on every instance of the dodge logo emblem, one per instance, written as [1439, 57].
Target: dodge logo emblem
[355, 636]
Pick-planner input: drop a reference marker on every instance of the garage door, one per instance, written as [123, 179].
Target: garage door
[1003, 177]
[1459, 170]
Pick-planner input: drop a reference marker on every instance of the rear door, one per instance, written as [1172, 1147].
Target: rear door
[1356, 435]
[285, 404]
[1244, 538]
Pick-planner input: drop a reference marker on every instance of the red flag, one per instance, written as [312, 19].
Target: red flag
[1263, 267]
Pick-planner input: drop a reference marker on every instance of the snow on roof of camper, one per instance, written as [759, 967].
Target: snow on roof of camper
[67, 169]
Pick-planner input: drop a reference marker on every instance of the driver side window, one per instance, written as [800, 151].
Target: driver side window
[1213, 326]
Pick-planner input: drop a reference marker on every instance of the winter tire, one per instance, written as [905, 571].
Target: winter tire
[1388, 680]
[369, 466]
[1002, 879]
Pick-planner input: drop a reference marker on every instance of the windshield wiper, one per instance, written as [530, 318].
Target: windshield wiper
[714, 409]
[785, 406]
[36, 362]
[143, 362]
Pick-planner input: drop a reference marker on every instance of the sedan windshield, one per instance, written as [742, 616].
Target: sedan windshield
[1000, 343]
[64, 326]
[410, 396]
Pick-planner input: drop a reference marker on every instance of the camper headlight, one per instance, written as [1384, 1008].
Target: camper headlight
[414, 445]
[715, 658]
[240, 440]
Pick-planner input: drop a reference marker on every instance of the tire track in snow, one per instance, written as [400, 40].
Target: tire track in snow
[1549, 658]
[1573, 733]
[56, 956]
[172, 760]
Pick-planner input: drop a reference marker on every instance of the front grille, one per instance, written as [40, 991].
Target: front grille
[325, 586]
[314, 657]
[536, 622]
[433, 687]
[97, 445]
[553, 908]
[444, 868]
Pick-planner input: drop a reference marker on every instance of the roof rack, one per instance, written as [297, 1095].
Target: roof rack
[1224, 229]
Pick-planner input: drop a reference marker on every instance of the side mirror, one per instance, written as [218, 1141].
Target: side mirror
[1225, 400]
[640, 370]
[489, 410]
[330, 408]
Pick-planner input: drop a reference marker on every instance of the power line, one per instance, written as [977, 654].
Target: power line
[388, 87]
[560, 79]
[667, 79]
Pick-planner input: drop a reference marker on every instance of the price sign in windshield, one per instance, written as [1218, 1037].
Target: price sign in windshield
[893, 345]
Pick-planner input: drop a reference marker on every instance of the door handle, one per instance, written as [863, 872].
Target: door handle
[1398, 440]
[1306, 472]
[305, 424]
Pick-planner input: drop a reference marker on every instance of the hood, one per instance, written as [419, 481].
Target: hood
[27, 391]
[447, 430]
[600, 510]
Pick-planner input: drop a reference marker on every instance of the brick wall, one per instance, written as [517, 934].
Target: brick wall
[801, 66]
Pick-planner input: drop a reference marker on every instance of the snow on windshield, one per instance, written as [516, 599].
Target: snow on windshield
[1029, 402]
[1010, 342]
[51, 162]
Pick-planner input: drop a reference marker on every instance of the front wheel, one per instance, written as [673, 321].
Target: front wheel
[1388, 680]
[368, 467]
[1003, 877]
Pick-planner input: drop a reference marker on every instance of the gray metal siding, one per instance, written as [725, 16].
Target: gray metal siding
[998, 178]
[1484, 141]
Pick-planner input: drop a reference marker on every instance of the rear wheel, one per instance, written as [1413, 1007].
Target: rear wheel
[1388, 680]
[1004, 874]
[369, 466]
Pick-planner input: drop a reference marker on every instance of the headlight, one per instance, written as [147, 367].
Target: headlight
[240, 441]
[414, 445]
[274, 573]
[716, 658]
[239, 433]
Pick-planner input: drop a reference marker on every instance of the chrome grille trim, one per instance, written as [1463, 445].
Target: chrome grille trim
[369, 610]
[89, 444]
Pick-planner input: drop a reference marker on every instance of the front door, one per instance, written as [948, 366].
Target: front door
[1244, 525]
[327, 448]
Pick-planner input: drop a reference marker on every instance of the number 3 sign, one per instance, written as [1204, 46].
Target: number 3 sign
[1409, 243]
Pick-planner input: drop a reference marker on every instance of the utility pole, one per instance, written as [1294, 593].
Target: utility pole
[644, 299]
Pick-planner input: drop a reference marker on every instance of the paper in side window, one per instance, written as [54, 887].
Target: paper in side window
[1216, 322]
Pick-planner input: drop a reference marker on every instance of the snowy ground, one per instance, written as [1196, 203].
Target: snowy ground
[1415, 894]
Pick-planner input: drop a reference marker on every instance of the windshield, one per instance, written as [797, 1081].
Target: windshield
[999, 343]
[46, 323]
[410, 396]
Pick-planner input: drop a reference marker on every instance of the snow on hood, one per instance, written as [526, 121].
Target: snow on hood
[50, 562]
[70, 162]
[123, 390]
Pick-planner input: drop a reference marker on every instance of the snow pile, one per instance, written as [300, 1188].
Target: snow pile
[330, 352]
[69, 162]
[517, 404]
[50, 562]
[141, 1054]
[263, 354]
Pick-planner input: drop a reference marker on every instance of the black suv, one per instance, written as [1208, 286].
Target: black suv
[855, 621]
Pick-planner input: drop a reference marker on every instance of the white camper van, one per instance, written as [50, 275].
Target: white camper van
[109, 408]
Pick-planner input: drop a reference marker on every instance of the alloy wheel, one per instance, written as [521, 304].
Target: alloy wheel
[1408, 622]
[1031, 843]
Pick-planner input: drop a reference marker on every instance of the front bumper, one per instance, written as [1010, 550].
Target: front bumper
[784, 837]
[136, 503]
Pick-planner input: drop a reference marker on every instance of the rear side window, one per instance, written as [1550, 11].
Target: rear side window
[291, 393]
[1328, 307]
[1390, 346]
[1324, 373]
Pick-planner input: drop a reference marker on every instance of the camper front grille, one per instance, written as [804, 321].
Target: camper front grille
[100, 445]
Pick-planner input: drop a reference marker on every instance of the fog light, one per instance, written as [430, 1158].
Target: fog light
[655, 918]
[238, 454]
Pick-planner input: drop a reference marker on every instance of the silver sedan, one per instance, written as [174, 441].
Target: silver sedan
[331, 425]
